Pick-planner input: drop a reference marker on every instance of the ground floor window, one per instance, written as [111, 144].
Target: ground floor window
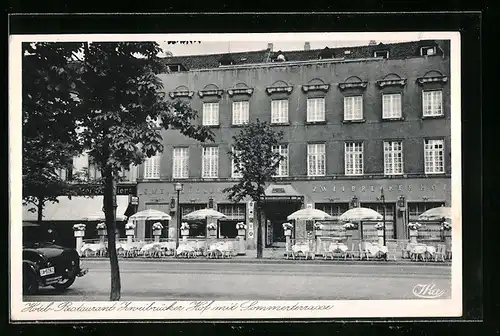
[333, 228]
[197, 228]
[234, 213]
[369, 231]
[430, 230]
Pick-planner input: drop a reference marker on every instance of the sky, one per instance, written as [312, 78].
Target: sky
[219, 47]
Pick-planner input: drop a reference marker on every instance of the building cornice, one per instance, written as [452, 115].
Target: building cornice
[235, 91]
[391, 82]
[181, 94]
[279, 89]
[207, 93]
[353, 85]
[434, 79]
[315, 87]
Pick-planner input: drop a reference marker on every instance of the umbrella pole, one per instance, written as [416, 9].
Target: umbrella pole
[361, 228]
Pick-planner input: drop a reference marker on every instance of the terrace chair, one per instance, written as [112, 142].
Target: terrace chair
[440, 253]
[364, 250]
[326, 249]
[352, 251]
[419, 251]
[392, 250]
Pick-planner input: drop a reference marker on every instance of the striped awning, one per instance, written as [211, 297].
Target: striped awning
[77, 208]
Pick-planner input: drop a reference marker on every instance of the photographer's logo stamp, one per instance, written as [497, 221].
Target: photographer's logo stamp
[427, 291]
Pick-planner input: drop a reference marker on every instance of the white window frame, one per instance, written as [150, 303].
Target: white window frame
[428, 94]
[180, 162]
[392, 106]
[433, 155]
[210, 162]
[353, 152]
[316, 159]
[393, 158]
[211, 114]
[423, 50]
[152, 168]
[350, 112]
[279, 111]
[233, 173]
[386, 53]
[316, 109]
[241, 112]
[282, 169]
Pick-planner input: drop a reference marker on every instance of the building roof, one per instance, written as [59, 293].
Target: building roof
[396, 51]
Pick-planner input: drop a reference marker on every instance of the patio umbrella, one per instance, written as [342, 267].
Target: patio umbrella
[359, 215]
[438, 213]
[150, 214]
[309, 214]
[204, 214]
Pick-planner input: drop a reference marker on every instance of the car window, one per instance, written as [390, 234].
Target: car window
[35, 234]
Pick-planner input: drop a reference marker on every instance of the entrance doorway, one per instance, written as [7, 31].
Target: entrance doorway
[276, 214]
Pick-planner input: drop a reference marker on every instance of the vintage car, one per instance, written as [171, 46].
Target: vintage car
[45, 263]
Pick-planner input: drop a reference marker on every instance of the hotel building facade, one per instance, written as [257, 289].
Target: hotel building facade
[358, 122]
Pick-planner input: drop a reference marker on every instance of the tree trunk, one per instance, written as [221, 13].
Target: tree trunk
[39, 211]
[110, 214]
[259, 231]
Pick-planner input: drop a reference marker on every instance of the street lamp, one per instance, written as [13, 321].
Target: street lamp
[382, 198]
[178, 187]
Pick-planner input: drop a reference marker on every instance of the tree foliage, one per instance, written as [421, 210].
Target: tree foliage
[256, 161]
[49, 138]
[123, 110]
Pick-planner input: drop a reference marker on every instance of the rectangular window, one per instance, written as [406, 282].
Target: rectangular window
[180, 167]
[152, 167]
[428, 51]
[432, 103]
[316, 159]
[94, 172]
[315, 109]
[241, 112]
[393, 157]
[381, 53]
[434, 156]
[210, 162]
[129, 175]
[354, 158]
[353, 108]
[282, 169]
[391, 106]
[210, 114]
[234, 173]
[279, 111]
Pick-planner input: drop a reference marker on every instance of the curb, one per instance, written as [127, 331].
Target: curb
[277, 261]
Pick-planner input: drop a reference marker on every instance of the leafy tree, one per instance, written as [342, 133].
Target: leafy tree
[49, 136]
[121, 113]
[255, 160]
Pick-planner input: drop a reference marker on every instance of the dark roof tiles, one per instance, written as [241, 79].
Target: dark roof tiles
[396, 51]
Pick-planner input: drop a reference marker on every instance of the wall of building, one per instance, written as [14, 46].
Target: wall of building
[334, 132]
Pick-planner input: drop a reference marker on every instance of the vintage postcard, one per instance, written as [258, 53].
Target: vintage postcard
[235, 176]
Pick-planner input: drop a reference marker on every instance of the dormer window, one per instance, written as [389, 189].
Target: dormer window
[226, 60]
[174, 68]
[381, 53]
[428, 51]
[280, 57]
[326, 53]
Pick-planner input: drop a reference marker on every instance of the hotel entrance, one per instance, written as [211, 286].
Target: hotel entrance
[279, 203]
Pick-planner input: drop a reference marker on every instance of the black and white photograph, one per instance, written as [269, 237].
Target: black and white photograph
[206, 176]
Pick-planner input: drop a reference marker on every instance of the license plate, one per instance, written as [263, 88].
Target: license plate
[47, 271]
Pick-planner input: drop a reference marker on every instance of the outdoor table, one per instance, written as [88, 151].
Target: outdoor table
[376, 250]
[422, 250]
[185, 249]
[304, 248]
[335, 247]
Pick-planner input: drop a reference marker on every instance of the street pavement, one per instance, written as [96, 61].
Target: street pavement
[192, 280]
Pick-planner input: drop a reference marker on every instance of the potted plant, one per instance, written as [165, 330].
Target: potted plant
[287, 227]
[241, 227]
[130, 229]
[318, 229]
[101, 229]
[185, 229]
[349, 226]
[414, 231]
[157, 227]
[445, 226]
[79, 230]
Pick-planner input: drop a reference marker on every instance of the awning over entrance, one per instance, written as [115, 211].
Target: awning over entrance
[282, 192]
[76, 209]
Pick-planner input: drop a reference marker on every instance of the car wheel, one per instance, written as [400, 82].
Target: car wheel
[65, 283]
[30, 282]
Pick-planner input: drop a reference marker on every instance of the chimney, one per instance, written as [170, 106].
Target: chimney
[270, 46]
[372, 42]
[307, 46]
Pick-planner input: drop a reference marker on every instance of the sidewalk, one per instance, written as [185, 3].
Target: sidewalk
[277, 257]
